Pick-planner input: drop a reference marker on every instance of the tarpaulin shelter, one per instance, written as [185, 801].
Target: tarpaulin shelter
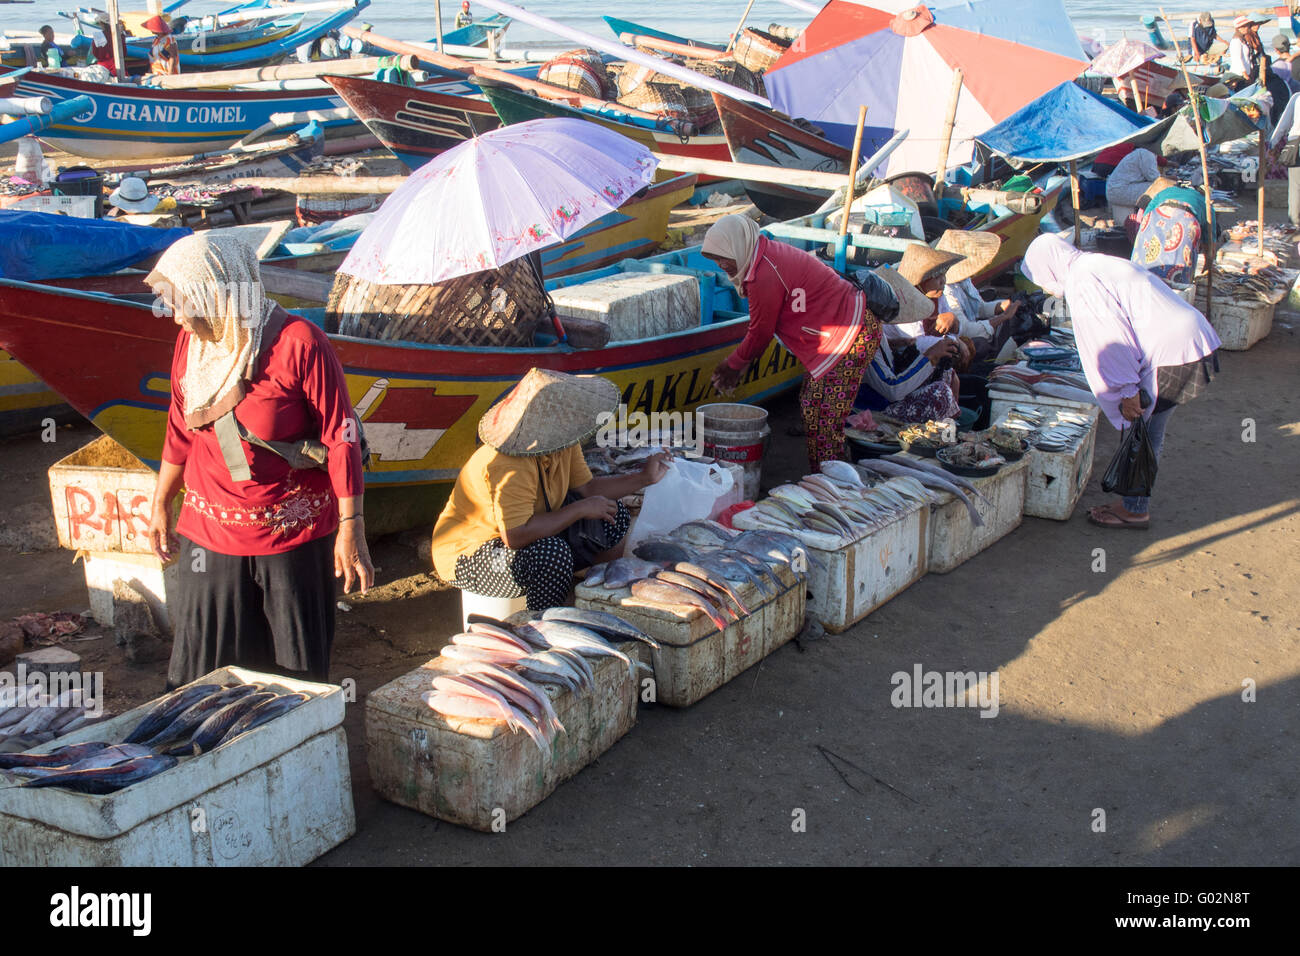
[42, 245]
[898, 59]
[1069, 123]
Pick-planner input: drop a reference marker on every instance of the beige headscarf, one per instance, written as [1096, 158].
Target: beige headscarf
[217, 281]
[733, 237]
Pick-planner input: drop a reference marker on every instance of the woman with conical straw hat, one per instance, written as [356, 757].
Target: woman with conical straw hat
[526, 511]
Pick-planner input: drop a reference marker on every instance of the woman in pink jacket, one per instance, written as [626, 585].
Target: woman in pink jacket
[820, 317]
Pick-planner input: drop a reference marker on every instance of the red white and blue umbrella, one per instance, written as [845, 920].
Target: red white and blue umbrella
[898, 60]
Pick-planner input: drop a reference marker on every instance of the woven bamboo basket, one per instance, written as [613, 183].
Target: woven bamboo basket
[582, 71]
[496, 308]
[644, 89]
[756, 50]
[313, 208]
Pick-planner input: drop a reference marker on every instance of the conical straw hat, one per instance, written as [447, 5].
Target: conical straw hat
[920, 263]
[913, 305]
[978, 248]
[547, 411]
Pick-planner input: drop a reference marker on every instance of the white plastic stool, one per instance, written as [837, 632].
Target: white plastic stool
[499, 608]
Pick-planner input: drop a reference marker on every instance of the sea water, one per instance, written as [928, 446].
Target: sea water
[712, 20]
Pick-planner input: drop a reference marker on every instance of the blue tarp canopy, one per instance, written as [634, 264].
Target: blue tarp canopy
[1067, 123]
[41, 245]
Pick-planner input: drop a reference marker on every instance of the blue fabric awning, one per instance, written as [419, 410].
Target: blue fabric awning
[41, 245]
[1067, 123]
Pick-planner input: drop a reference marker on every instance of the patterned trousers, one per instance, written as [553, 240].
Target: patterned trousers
[827, 401]
[542, 572]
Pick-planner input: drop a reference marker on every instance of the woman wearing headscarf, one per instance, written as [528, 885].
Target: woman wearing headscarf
[1134, 335]
[821, 317]
[164, 55]
[525, 512]
[1172, 221]
[263, 436]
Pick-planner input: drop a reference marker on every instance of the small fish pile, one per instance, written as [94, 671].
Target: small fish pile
[29, 718]
[932, 434]
[502, 669]
[930, 475]
[697, 567]
[1266, 285]
[842, 502]
[618, 461]
[1062, 431]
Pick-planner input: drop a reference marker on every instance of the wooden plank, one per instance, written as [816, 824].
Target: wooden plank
[262, 236]
[361, 66]
[752, 172]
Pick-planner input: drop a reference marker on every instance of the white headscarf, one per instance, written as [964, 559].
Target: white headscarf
[217, 281]
[733, 237]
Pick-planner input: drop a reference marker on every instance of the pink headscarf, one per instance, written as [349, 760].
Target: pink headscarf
[1127, 322]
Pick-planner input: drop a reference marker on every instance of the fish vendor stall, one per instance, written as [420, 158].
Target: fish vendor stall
[487, 730]
[866, 537]
[209, 775]
[715, 602]
[1061, 444]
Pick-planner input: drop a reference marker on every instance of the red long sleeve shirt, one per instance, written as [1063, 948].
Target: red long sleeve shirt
[807, 305]
[299, 391]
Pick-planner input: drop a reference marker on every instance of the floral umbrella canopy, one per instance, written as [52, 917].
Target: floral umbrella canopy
[497, 197]
[1124, 57]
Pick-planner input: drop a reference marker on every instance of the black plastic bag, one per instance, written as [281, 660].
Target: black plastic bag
[1132, 472]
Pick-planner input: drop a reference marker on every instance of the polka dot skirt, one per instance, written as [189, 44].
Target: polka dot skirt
[543, 571]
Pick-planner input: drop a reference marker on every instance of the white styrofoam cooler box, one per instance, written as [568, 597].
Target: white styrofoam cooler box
[1239, 323]
[280, 795]
[1056, 480]
[694, 657]
[143, 571]
[847, 581]
[636, 305]
[470, 772]
[1001, 400]
[954, 538]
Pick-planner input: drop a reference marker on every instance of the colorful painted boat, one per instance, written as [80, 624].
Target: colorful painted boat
[515, 106]
[624, 28]
[416, 124]
[766, 138]
[420, 403]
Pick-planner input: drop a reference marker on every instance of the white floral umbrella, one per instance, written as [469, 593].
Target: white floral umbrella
[497, 197]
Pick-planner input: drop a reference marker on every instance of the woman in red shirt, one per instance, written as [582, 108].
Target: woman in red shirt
[819, 316]
[256, 534]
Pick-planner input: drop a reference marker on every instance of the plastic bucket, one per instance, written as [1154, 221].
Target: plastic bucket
[737, 433]
[80, 181]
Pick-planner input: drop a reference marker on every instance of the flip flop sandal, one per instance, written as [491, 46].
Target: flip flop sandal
[1109, 519]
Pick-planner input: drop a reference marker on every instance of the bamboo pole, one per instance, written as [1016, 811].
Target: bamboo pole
[119, 45]
[324, 185]
[1205, 177]
[853, 171]
[1074, 198]
[740, 26]
[1137, 95]
[360, 66]
[466, 68]
[751, 171]
[1260, 171]
[437, 17]
[949, 122]
[677, 49]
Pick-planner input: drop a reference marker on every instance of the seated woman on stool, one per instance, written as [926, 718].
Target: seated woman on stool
[526, 512]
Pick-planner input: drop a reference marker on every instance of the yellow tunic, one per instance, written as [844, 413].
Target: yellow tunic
[497, 492]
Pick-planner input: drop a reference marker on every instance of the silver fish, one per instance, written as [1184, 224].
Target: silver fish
[609, 625]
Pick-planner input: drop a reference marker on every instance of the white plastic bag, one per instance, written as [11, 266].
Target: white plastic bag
[689, 491]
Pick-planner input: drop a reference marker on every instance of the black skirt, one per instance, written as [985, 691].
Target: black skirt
[272, 613]
[1179, 384]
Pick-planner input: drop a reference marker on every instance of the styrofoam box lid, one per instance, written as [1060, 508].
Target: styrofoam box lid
[110, 815]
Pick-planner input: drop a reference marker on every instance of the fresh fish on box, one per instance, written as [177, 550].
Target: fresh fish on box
[459, 652]
[167, 709]
[571, 661]
[463, 685]
[59, 757]
[107, 755]
[217, 725]
[710, 594]
[927, 478]
[717, 582]
[702, 534]
[520, 685]
[623, 571]
[492, 642]
[843, 472]
[262, 714]
[602, 622]
[102, 780]
[671, 596]
[188, 720]
[586, 643]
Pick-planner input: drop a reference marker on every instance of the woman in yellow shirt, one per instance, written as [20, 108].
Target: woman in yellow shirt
[526, 512]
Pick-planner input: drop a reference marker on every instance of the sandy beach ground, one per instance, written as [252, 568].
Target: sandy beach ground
[1120, 690]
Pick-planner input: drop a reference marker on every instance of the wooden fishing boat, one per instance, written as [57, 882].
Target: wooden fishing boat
[128, 122]
[279, 158]
[415, 123]
[624, 28]
[420, 403]
[515, 106]
[766, 138]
